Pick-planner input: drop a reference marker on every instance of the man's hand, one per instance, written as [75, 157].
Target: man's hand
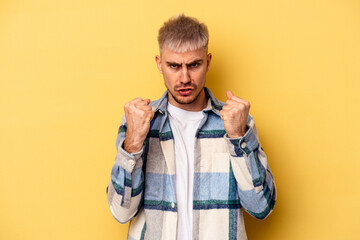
[235, 115]
[138, 115]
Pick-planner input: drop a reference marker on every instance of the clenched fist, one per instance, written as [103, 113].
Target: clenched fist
[235, 115]
[138, 115]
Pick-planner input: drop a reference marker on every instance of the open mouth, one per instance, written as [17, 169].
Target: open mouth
[185, 91]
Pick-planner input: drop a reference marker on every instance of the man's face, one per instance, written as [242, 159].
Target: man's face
[184, 75]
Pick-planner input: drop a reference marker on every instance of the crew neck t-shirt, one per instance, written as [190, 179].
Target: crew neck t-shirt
[184, 125]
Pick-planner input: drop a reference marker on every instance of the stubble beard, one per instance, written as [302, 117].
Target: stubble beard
[190, 101]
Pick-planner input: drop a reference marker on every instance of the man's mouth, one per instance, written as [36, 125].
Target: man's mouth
[185, 91]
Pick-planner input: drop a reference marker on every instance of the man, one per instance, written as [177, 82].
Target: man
[187, 164]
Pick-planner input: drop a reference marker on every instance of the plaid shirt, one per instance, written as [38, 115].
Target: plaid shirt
[229, 175]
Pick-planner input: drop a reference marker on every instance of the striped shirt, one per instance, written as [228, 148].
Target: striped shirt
[229, 175]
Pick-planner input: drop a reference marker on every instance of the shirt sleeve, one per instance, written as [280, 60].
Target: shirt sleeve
[256, 186]
[125, 189]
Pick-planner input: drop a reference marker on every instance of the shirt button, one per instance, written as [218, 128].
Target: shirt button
[172, 204]
[131, 162]
[243, 145]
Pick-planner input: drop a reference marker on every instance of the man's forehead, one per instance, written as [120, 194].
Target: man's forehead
[183, 57]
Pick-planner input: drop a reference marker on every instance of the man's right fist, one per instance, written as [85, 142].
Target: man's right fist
[138, 115]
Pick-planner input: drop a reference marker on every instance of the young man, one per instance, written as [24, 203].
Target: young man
[187, 164]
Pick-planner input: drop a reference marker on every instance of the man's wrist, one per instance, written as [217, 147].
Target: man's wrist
[132, 147]
[238, 134]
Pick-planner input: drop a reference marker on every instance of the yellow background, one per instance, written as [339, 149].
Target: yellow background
[67, 68]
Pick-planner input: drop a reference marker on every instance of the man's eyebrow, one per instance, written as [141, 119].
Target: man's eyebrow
[192, 62]
[195, 61]
[173, 63]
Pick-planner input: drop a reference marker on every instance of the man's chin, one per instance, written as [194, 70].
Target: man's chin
[185, 100]
[188, 99]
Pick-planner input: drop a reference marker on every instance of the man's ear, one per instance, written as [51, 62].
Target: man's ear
[209, 56]
[158, 63]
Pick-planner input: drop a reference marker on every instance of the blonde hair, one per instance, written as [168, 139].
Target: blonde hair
[182, 33]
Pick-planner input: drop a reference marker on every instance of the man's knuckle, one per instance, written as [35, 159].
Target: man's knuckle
[132, 108]
[126, 105]
[241, 106]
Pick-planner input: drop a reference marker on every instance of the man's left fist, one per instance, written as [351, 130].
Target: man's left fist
[235, 115]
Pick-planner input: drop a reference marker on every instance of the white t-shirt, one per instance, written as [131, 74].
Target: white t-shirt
[184, 125]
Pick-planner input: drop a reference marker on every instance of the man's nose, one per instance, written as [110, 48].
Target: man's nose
[185, 75]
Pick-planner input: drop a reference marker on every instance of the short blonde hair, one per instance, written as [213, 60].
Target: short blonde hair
[182, 33]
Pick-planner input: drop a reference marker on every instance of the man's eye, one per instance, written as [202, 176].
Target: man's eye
[194, 65]
[174, 66]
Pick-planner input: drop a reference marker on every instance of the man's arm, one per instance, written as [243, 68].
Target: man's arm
[256, 186]
[126, 187]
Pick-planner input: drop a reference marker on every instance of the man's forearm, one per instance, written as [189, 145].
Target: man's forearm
[256, 185]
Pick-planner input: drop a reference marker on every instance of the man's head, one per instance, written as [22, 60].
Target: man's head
[184, 61]
[182, 33]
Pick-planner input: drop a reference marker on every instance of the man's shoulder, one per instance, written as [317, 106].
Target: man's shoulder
[160, 103]
[216, 104]
[155, 103]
